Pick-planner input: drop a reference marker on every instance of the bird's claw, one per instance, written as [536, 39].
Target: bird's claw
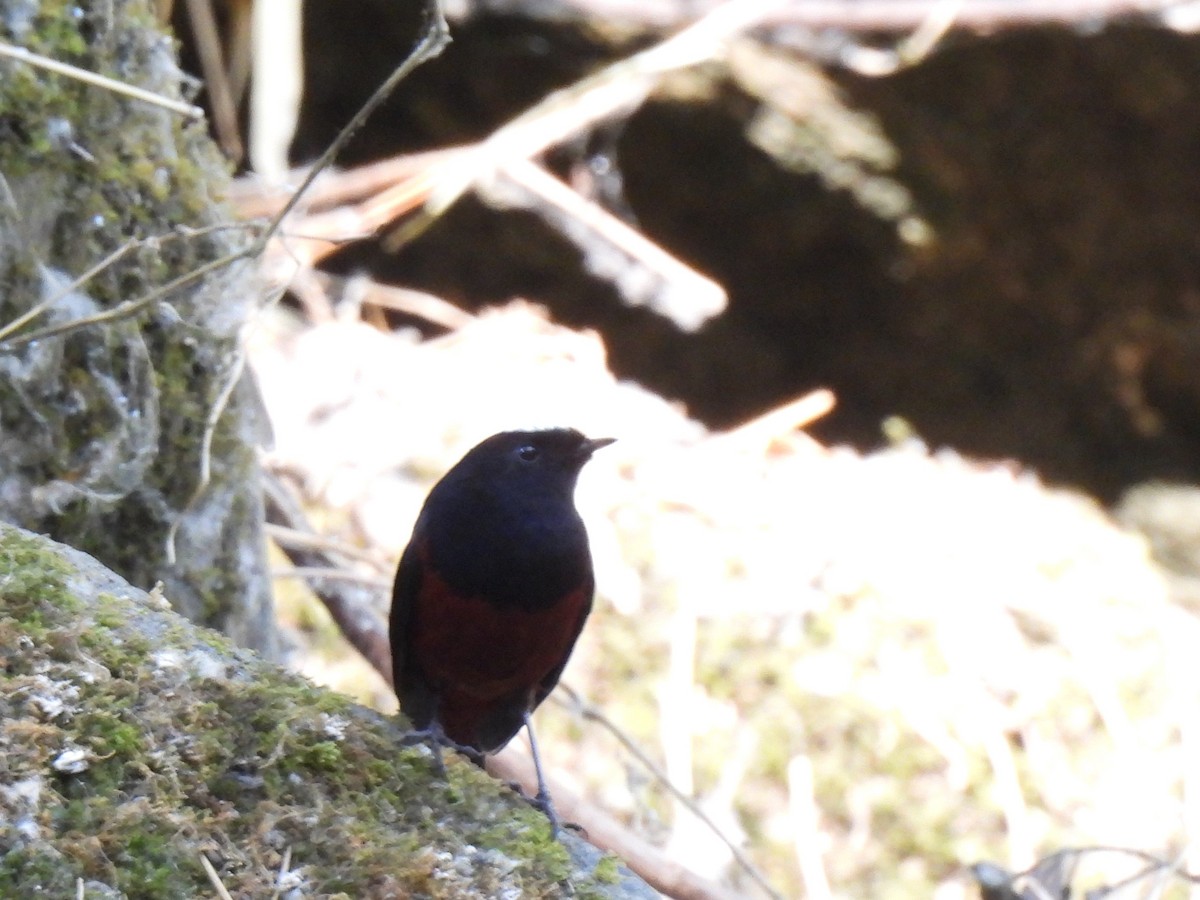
[542, 802]
[557, 825]
[437, 739]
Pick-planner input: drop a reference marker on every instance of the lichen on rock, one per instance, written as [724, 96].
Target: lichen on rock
[102, 427]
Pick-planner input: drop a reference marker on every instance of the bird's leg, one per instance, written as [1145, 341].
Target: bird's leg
[542, 800]
[435, 735]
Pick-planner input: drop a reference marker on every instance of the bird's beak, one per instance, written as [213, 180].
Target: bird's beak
[587, 448]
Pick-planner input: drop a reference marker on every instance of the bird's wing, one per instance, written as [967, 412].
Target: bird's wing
[546, 685]
[416, 700]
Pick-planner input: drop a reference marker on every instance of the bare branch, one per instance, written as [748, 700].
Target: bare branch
[351, 605]
[864, 16]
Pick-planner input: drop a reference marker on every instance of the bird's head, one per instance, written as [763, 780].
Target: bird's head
[552, 457]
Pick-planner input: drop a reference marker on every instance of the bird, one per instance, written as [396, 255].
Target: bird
[491, 594]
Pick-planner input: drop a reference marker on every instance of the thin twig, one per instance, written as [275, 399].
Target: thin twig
[178, 233]
[913, 49]
[292, 537]
[677, 701]
[780, 422]
[133, 307]
[651, 863]
[213, 878]
[423, 305]
[865, 16]
[210, 429]
[333, 573]
[573, 110]
[353, 606]
[805, 814]
[284, 867]
[1143, 855]
[902, 15]
[110, 84]
[591, 713]
[38, 308]
[448, 173]
[611, 247]
[435, 39]
[431, 43]
[212, 63]
[251, 198]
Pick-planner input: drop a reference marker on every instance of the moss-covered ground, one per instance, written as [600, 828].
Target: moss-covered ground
[135, 746]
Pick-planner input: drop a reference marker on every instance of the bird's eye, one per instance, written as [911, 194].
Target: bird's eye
[529, 453]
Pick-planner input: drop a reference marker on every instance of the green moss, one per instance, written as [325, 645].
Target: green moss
[118, 655]
[149, 866]
[34, 626]
[111, 736]
[255, 759]
[36, 870]
[528, 834]
[607, 870]
[216, 640]
[108, 618]
[78, 814]
[324, 756]
[33, 581]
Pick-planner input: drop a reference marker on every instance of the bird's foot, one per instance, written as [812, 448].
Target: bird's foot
[437, 739]
[542, 802]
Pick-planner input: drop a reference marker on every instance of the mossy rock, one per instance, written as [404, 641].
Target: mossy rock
[104, 430]
[141, 750]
